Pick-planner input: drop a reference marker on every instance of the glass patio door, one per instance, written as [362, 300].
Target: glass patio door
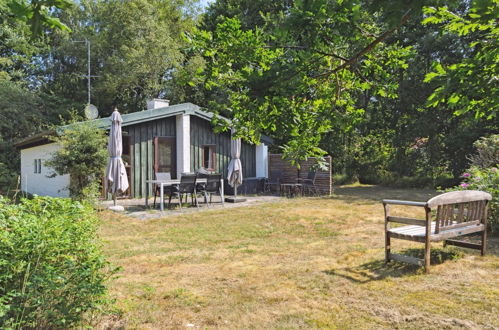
[164, 155]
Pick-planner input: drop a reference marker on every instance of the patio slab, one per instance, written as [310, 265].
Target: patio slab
[135, 207]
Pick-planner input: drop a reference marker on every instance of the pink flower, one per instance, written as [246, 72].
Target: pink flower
[466, 175]
[494, 169]
[477, 178]
[464, 185]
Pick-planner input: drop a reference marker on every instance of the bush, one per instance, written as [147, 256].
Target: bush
[341, 179]
[52, 270]
[487, 152]
[83, 155]
[484, 179]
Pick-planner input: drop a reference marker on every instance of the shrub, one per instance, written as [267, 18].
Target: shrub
[485, 179]
[52, 270]
[83, 155]
[341, 179]
[487, 152]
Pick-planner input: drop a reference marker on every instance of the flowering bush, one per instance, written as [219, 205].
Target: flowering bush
[484, 179]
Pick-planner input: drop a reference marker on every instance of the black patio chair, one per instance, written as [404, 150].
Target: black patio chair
[308, 184]
[162, 176]
[213, 186]
[202, 173]
[274, 180]
[187, 186]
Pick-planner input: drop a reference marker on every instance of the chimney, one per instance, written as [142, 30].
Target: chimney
[157, 103]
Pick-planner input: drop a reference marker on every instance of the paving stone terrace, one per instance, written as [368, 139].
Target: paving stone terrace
[136, 207]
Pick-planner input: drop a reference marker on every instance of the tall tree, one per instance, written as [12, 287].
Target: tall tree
[299, 76]
[135, 47]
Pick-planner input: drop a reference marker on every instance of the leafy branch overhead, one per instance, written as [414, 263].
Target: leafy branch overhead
[301, 76]
[470, 85]
[39, 13]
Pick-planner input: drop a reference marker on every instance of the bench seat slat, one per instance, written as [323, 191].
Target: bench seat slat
[418, 233]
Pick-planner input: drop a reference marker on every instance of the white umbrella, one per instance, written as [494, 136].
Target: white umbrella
[116, 178]
[235, 175]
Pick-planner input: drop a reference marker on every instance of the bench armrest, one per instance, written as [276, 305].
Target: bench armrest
[409, 203]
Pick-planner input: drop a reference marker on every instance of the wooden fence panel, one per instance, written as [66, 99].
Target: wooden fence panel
[323, 181]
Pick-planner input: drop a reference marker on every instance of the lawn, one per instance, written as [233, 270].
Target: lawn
[297, 263]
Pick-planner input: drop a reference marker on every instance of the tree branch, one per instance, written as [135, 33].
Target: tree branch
[368, 48]
[311, 49]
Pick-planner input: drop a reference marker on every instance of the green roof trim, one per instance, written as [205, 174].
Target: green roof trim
[133, 119]
[153, 114]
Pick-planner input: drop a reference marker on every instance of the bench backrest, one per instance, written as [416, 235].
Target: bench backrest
[459, 208]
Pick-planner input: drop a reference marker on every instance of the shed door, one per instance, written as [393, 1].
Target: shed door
[164, 155]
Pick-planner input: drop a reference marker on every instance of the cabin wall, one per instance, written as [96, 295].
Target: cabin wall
[202, 134]
[39, 183]
[143, 150]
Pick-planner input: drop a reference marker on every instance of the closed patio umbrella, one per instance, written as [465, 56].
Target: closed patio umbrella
[116, 178]
[235, 170]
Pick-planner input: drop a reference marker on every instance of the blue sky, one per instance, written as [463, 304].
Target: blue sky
[205, 3]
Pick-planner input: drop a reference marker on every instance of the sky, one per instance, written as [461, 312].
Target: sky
[205, 3]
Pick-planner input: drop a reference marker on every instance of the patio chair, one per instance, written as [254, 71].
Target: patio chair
[162, 176]
[274, 180]
[187, 186]
[213, 186]
[458, 213]
[308, 184]
[202, 173]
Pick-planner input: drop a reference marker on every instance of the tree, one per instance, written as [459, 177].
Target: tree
[38, 14]
[469, 85]
[83, 155]
[300, 76]
[135, 49]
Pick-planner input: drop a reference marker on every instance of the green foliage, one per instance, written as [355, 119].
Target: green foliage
[469, 85]
[83, 155]
[484, 174]
[52, 270]
[18, 119]
[39, 14]
[288, 78]
[135, 52]
[487, 152]
[484, 179]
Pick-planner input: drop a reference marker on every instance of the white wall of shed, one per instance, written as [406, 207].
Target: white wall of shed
[39, 183]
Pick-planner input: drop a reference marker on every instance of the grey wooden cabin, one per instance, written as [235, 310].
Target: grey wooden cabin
[176, 139]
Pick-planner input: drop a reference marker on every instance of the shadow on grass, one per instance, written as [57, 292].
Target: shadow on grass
[379, 270]
[377, 193]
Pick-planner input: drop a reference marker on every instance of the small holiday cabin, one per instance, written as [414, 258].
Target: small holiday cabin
[163, 138]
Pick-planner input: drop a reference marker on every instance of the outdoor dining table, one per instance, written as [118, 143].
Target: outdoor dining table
[172, 182]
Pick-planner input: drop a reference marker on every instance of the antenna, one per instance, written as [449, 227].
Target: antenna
[88, 76]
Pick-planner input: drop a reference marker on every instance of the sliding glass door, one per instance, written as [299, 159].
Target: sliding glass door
[164, 155]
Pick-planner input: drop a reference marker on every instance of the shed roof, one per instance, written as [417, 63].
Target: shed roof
[131, 119]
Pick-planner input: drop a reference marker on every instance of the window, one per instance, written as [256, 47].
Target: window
[38, 166]
[209, 157]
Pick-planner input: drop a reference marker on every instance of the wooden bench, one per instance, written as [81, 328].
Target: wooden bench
[456, 213]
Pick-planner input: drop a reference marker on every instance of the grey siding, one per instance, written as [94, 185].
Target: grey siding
[143, 150]
[202, 133]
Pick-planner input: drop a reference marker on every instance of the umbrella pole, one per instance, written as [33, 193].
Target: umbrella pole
[235, 191]
[114, 199]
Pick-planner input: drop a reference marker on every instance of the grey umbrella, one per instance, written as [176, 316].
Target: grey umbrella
[235, 170]
[116, 178]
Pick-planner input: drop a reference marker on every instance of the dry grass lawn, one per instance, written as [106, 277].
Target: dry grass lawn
[298, 263]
